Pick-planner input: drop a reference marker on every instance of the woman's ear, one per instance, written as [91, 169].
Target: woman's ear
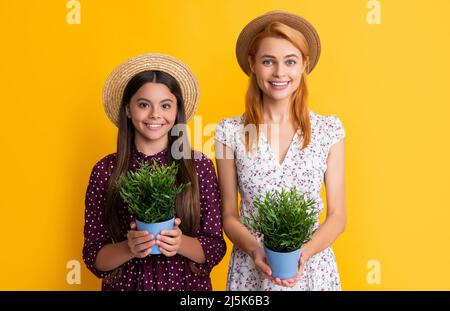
[306, 69]
[305, 65]
[127, 111]
[251, 64]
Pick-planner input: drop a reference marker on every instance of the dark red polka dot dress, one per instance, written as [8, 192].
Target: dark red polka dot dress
[154, 272]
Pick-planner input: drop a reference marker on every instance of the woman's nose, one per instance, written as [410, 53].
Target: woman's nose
[278, 71]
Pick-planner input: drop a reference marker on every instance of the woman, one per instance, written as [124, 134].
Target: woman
[280, 143]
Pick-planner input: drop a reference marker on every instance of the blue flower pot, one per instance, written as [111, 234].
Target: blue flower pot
[154, 229]
[283, 265]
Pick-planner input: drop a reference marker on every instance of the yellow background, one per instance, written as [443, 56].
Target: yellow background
[388, 83]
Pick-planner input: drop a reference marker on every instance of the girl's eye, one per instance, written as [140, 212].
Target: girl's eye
[142, 105]
[166, 106]
[291, 62]
[267, 62]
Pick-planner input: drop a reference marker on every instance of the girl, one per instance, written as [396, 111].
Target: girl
[299, 148]
[146, 97]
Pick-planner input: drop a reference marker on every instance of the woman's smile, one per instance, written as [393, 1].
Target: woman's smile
[279, 85]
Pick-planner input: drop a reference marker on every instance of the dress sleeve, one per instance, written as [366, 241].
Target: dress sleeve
[95, 233]
[224, 134]
[210, 233]
[335, 131]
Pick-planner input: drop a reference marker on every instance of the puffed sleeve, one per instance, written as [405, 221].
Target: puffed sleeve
[224, 134]
[335, 131]
[95, 233]
[210, 233]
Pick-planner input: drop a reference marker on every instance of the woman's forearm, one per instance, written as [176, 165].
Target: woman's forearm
[239, 235]
[192, 249]
[112, 256]
[325, 235]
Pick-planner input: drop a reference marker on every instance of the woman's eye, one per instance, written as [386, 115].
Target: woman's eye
[267, 62]
[291, 62]
[166, 106]
[142, 105]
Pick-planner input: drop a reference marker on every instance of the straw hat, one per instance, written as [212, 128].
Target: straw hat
[258, 24]
[121, 75]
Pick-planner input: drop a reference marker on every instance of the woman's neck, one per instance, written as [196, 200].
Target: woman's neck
[150, 147]
[277, 111]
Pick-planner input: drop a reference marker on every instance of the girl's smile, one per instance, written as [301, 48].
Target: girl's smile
[153, 127]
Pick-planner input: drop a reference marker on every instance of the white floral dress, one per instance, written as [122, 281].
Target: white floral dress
[260, 172]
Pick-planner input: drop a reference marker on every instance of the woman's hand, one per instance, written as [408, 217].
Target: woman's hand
[259, 257]
[139, 242]
[292, 281]
[169, 241]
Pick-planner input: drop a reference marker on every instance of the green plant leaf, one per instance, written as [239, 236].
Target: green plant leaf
[151, 191]
[284, 218]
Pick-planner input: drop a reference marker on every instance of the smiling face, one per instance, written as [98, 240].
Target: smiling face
[153, 111]
[278, 67]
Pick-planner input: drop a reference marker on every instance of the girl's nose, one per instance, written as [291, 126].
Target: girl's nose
[153, 113]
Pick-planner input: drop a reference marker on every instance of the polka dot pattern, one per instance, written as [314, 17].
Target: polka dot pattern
[154, 272]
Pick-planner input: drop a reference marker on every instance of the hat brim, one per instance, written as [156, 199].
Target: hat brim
[121, 75]
[258, 24]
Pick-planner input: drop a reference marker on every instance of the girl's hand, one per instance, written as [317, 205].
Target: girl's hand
[139, 242]
[292, 281]
[169, 241]
[259, 257]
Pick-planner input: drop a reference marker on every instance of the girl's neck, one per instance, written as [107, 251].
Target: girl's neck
[150, 147]
[276, 111]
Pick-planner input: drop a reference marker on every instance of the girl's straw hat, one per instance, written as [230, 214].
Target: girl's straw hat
[118, 79]
[258, 24]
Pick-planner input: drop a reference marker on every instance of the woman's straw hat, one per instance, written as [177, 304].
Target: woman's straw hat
[258, 24]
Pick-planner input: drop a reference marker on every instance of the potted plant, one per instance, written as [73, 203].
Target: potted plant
[286, 221]
[150, 193]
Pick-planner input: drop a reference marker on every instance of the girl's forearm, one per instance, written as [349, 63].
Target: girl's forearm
[112, 256]
[192, 249]
[325, 235]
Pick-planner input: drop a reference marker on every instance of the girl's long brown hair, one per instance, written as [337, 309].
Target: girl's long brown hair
[187, 205]
[254, 99]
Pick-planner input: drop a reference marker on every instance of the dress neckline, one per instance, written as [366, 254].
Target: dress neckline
[145, 156]
[274, 158]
